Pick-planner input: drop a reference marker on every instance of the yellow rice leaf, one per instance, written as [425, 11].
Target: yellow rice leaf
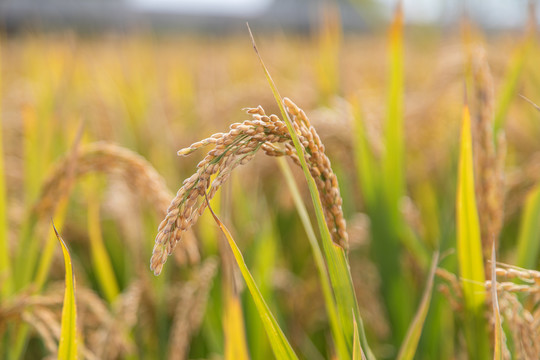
[357, 353]
[469, 245]
[469, 248]
[233, 323]
[101, 261]
[408, 348]
[338, 266]
[280, 345]
[6, 280]
[67, 349]
[529, 231]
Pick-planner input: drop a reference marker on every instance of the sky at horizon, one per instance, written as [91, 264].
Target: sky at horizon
[501, 13]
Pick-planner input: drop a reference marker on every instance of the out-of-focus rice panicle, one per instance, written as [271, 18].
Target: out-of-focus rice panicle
[116, 161]
[522, 318]
[489, 161]
[190, 302]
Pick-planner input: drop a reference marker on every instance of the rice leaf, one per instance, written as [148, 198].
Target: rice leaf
[368, 173]
[335, 324]
[469, 247]
[233, 324]
[280, 345]
[101, 261]
[46, 258]
[357, 348]
[498, 331]
[340, 276]
[410, 344]
[510, 82]
[6, 279]
[329, 44]
[393, 162]
[38, 134]
[47, 254]
[468, 230]
[67, 348]
[529, 232]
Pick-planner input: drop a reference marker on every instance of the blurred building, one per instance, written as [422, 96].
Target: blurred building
[204, 15]
[220, 16]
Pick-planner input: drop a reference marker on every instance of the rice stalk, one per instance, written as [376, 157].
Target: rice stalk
[5, 263]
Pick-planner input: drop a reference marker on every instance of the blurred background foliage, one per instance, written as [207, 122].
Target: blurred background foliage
[154, 92]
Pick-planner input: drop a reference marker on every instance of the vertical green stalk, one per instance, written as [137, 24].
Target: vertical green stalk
[393, 168]
[329, 47]
[101, 262]
[6, 280]
[510, 82]
[367, 172]
[389, 229]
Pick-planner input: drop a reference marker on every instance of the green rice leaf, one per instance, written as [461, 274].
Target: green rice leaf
[408, 348]
[357, 354]
[335, 324]
[469, 247]
[329, 44]
[468, 231]
[367, 172]
[47, 254]
[280, 345]
[6, 279]
[393, 162]
[511, 79]
[338, 266]
[529, 231]
[67, 349]
[101, 261]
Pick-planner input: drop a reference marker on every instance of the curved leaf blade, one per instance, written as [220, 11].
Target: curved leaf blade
[67, 349]
[469, 247]
[408, 348]
[280, 345]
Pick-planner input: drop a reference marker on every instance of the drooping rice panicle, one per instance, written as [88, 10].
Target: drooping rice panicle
[238, 147]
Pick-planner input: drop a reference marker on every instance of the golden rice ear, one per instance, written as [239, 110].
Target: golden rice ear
[238, 147]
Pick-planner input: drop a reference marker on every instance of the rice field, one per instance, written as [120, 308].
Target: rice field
[328, 196]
